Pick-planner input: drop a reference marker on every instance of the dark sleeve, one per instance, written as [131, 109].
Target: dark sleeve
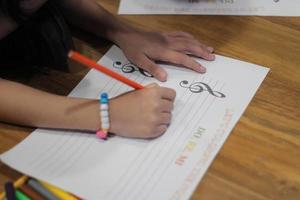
[42, 40]
[11, 8]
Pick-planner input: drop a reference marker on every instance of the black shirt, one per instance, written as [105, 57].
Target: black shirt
[42, 40]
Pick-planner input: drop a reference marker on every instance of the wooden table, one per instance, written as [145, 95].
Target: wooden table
[261, 158]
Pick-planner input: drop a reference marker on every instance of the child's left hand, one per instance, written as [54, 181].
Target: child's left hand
[140, 47]
[143, 48]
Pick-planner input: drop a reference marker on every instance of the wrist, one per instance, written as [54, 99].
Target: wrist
[113, 113]
[121, 32]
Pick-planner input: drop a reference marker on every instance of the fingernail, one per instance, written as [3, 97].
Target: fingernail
[203, 70]
[162, 76]
[210, 49]
[211, 56]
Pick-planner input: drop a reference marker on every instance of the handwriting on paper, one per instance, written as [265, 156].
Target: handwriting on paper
[190, 146]
[190, 178]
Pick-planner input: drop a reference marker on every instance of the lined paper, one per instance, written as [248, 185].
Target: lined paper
[212, 7]
[206, 109]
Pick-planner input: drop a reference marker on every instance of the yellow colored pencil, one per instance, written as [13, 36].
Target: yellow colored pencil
[2, 195]
[58, 192]
[20, 181]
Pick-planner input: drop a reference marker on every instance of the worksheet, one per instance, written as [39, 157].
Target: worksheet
[207, 107]
[212, 7]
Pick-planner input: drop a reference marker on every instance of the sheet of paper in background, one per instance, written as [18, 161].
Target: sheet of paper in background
[169, 167]
[212, 7]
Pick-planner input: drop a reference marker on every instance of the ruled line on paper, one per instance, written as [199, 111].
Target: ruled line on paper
[156, 151]
[117, 191]
[114, 90]
[43, 157]
[145, 152]
[162, 156]
[176, 153]
[180, 141]
[54, 167]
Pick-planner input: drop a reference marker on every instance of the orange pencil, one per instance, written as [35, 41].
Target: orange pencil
[92, 64]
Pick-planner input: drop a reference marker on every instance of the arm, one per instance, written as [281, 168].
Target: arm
[143, 114]
[23, 105]
[140, 47]
[90, 16]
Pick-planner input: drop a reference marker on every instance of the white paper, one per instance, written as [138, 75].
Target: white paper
[169, 167]
[212, 7]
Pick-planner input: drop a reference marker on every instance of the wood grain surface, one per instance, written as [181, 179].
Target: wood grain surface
[261, 158]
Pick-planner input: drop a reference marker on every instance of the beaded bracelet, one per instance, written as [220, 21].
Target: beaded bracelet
[104, 116]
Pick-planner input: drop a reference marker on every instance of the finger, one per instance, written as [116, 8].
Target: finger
[165, 118]
[166, 106]
[168, 93]
[151, 85]
[147, 64]
[210, 49]
[181, 59]
[180, 34]
[193, 47]
[191, 41]
[160, 129]
[199, 51]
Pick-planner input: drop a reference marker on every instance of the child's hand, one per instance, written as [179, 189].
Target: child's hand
[140, 47]
[143, 48]
[143, 113]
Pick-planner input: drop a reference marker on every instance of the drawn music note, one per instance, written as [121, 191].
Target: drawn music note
[130, 68]
[199, 87]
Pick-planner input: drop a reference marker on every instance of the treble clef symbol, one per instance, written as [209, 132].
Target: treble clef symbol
[199, 87]
[130, 68]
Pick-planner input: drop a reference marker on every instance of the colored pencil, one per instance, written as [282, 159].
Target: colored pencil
[30, 192]
[17, 184]
[92, 64]
[10, 191]
[2, 196]
[21, 196]
[42, 190]
[58, 192]
[20, 181]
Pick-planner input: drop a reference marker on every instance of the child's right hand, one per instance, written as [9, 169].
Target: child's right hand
[143, 113]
